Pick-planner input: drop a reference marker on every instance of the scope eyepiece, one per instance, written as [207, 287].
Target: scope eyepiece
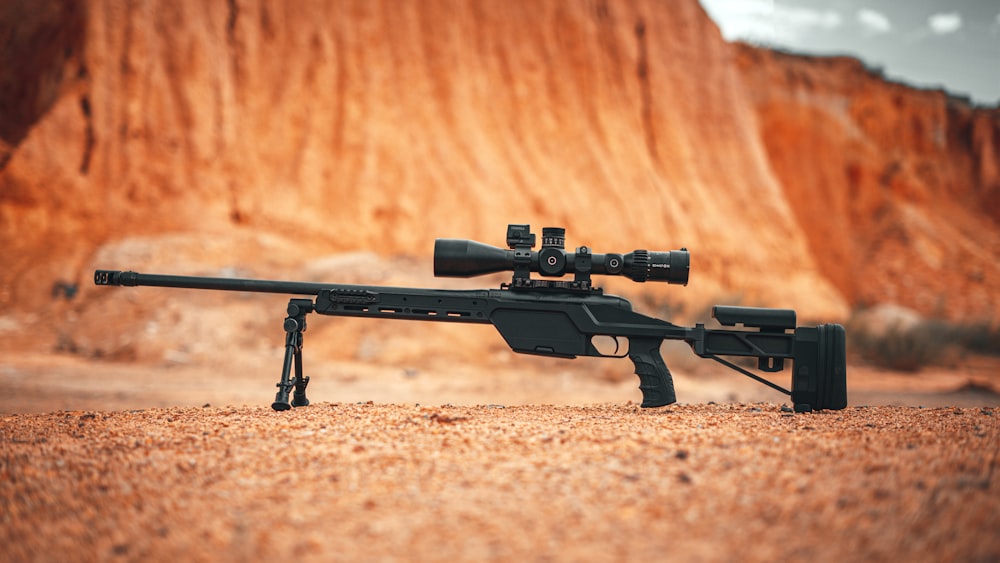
[672, 266]
[466, 258]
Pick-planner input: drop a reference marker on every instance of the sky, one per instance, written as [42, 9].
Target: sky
[949, 44]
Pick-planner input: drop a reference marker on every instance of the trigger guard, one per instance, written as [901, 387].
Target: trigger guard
[602, 347]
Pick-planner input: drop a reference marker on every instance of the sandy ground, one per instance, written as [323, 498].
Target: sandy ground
[369, 481]
[119, 461]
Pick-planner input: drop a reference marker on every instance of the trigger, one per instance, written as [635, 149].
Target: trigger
[609, 346]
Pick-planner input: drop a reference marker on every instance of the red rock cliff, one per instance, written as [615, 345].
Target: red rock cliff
[898, 188]
[384, 124]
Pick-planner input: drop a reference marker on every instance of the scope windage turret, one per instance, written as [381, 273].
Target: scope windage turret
[461, 258]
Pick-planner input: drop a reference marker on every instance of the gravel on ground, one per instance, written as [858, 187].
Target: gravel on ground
[370, 481]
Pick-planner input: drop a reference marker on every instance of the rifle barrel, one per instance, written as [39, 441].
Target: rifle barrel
[116, 277]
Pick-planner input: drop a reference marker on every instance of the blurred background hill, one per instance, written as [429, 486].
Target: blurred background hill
[334, 140]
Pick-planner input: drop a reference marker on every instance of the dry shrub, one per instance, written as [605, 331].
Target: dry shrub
[980, 338]
[902, 348]
[895, 338]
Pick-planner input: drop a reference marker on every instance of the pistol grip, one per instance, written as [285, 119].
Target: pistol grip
[655, 382]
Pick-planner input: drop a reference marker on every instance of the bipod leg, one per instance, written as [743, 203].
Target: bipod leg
[294, 325]
[299, 398]
[285, 385]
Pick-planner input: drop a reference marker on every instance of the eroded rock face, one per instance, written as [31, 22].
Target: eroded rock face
[42, 44]
[379, 126]
[897, 189]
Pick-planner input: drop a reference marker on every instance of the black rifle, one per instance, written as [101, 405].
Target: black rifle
[557, 318]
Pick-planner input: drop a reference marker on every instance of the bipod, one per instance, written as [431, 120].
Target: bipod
[295, 325]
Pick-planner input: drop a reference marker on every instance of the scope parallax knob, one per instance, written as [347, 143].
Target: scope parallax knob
[552, 261]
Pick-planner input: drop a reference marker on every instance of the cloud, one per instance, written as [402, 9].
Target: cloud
[804, 18]
[874, 22]
[766, 20]
[942, 24]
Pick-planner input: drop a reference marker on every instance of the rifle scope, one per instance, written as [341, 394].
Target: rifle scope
[461, 258]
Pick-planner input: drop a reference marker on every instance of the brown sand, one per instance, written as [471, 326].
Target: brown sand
[364, 481]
